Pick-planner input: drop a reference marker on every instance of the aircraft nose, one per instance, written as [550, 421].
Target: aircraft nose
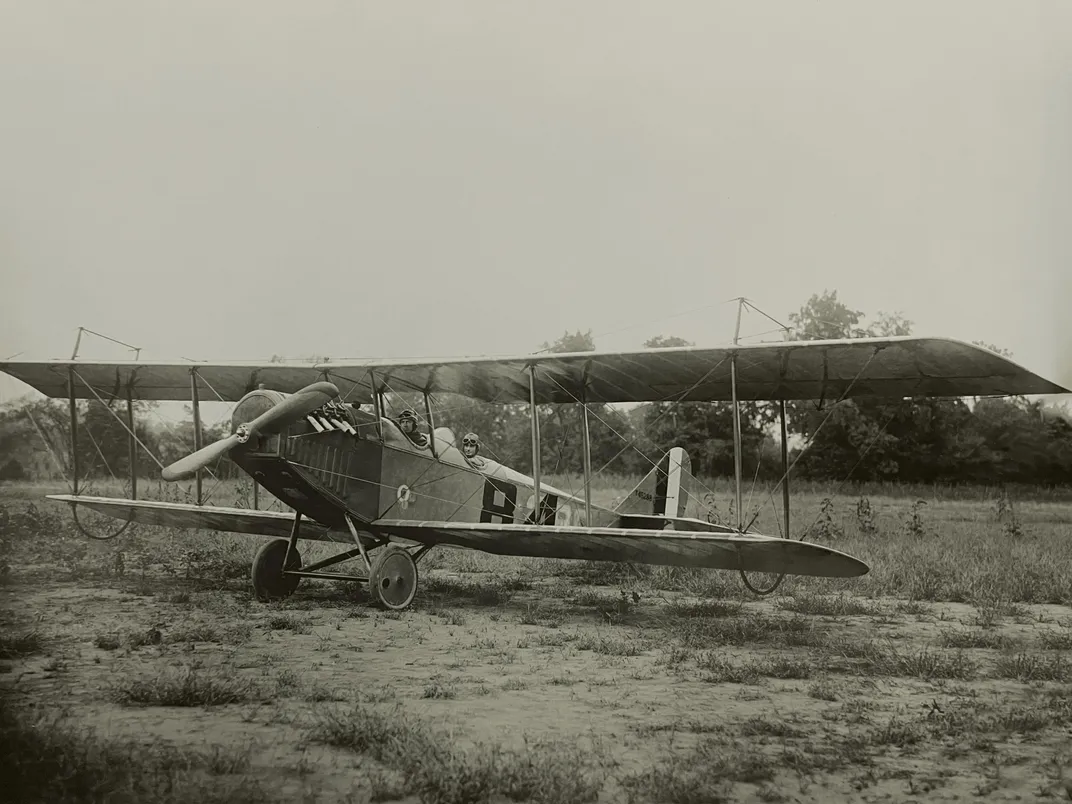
[253, 405]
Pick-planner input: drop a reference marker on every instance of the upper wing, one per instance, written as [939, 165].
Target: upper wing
[749, 552]
[876, 367]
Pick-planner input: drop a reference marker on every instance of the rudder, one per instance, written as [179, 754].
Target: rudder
[664, 491]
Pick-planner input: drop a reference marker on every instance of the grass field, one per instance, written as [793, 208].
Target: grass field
[141, 667]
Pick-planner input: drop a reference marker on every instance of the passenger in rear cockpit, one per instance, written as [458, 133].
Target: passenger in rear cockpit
[407, 422]
[470, 448]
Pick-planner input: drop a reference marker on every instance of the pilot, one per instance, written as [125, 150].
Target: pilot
[470, 448]
[407, 421]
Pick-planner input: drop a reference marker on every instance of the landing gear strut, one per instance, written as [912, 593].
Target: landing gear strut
[391, 569]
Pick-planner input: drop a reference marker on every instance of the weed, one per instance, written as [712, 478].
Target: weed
[706, 773]
[436, 768]
[1056, 640]
[285, 621]
[52, 760]
[17, 646]
[1005, 513]
[924, 664]
[613, 647]
[187, 687]
[914, 524]
[107, 641]
[827, 528]
[442, 691]
[755, 629]
[720, 669]
[975, 639]
[828, 606]
[706, 608]
[865, 517]
[1034, 667]
[823, 690]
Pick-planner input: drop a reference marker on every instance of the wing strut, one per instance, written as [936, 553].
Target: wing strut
[587, 459]
[377, 404]
[132, 447]
[736, 417]
[431, 424]
[537, 506]
[785, 466]
[737, 458]
[196, 402]
[74, 428]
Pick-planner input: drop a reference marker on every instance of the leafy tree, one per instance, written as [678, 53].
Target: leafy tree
[562, 428]
[824, 317]
[12, 470]
[705, 429]
[36, 432]
[922, 439]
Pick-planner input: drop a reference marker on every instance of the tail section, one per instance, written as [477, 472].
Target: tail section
[665, 491]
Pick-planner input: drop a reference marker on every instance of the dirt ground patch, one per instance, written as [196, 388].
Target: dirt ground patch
[501, 688]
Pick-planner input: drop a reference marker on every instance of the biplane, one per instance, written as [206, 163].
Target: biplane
[317, 437]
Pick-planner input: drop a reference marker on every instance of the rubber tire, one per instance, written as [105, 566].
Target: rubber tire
[400, 559]
[269, 583]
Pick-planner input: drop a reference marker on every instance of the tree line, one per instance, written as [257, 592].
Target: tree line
[920, 440]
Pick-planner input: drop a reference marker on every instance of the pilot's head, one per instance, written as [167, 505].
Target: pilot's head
[470, 445]
[407, 420]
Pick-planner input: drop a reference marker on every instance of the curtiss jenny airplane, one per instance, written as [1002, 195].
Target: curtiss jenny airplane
[353, 476]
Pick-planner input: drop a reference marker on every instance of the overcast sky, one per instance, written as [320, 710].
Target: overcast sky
[231, 180]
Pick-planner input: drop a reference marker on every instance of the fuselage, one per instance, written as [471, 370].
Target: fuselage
[343, 460]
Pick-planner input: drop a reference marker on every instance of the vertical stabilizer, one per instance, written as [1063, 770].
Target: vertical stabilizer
[664, 491]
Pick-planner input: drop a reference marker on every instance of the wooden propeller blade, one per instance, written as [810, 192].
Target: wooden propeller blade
[188, 466]
[293, 407]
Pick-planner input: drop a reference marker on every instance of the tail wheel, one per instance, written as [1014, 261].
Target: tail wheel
[393, 578]
[269, 582]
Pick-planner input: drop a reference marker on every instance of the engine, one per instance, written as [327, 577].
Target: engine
[253, 405]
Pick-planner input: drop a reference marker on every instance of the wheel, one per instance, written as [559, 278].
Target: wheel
[393, 579]
[269, 582]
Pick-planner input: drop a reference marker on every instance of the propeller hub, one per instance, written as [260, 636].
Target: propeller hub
[242, 431]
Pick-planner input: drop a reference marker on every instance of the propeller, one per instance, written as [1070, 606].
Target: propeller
[293, 407]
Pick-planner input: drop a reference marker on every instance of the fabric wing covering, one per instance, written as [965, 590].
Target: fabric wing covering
[828, 370]
[752, 553]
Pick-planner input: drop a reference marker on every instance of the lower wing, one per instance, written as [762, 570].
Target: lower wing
[726, 551]
[209, 517]
[745, 551]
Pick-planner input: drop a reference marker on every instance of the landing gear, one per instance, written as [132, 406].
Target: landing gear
[269, 581]
[391, 569]
[393, 577]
